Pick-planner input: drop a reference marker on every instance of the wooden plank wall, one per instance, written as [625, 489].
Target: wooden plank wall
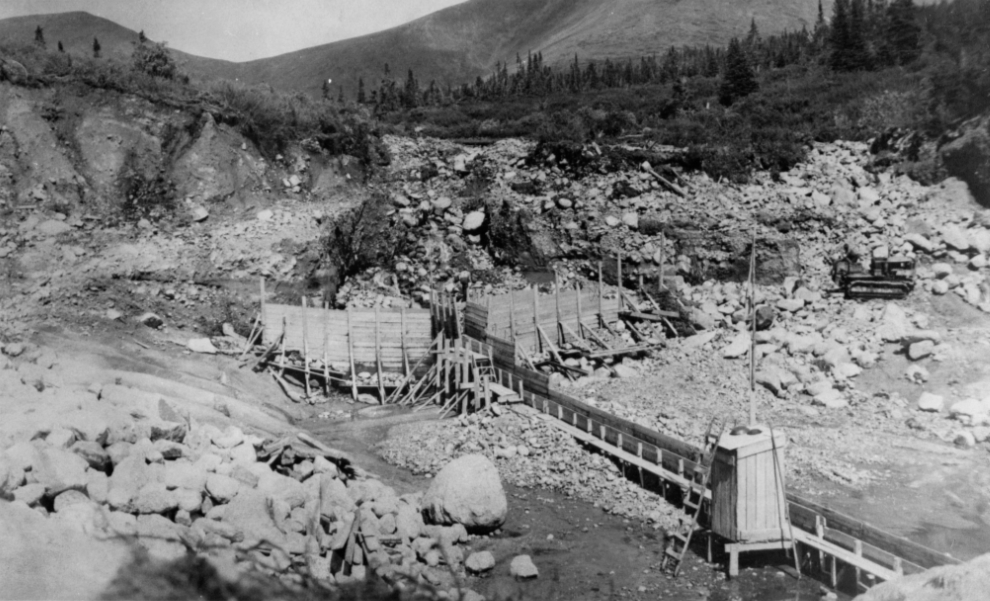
[511, 315]
[319, 329]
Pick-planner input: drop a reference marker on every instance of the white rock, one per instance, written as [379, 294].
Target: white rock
[919, 242]
[954, 237]
[832, 399]
[790, 304]
[265, 215]
[738, 347]
[969, 408]
[930, 402]
[869, 195]
[201, 345]
[522, 566]
[467, 491]
[631, 220]
[199, 213]
[624, 371]
[473, 221]
[612, 221]
[481, 561]
[920, 350]
[942, 270]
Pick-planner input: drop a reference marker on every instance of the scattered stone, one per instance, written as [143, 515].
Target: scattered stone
[482, 561]
[201, 345]
[930, 402]
[920, 350]
[522, 567]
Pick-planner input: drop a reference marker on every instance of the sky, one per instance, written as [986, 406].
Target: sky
[241, 30]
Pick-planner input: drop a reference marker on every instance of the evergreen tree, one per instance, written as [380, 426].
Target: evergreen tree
[61, 48]
[859, 54]
[737, 79]
[96, 48]
[901, 37]
[360, 94]
[39, 36]
[340, 95]
[326, 89]
[753, 37]
[141, 37]
[411, 92]
[840, 53]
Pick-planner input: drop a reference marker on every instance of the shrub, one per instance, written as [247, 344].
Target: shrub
[154, 60]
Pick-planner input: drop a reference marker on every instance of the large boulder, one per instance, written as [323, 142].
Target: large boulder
[467, 491]
[968, 157]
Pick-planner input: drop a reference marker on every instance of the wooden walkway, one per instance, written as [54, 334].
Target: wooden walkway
[834, 536]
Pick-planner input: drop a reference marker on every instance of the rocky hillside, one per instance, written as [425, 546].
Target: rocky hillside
[83, 151]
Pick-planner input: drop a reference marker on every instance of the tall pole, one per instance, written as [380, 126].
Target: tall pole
[752, 338]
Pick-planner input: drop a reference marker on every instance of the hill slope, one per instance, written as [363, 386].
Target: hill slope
[76, 31]
[458, 43]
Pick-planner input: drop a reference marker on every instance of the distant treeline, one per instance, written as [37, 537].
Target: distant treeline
[861, 35]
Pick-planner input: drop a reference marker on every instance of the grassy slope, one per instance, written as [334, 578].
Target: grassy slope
[76, 31]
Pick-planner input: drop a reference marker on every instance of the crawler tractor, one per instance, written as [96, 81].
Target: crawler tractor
[887, 278]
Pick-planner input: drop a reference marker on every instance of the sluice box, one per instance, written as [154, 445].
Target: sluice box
[748, 503]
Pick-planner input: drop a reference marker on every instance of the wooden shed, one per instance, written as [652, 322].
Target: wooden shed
[747, 484]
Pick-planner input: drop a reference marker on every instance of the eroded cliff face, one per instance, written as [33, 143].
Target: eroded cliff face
[72, 149]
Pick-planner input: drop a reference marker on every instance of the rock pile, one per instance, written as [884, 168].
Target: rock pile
[285, 507]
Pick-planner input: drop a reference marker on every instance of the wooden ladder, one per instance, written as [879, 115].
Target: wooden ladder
[679, 541]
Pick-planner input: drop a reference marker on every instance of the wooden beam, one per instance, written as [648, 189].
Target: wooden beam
[648, 316]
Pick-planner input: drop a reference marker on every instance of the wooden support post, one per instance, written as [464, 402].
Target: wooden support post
[556, 306]
[512, 318]
[662, 285]
[402, 341]
[378, 359]
[619, 278]
[350, 357]
[326, 345]
[281, 359]
[261, 283]
[476, 384]
[305, 346]
[752, 341]
[536, 319]
[601, 316]
[577, 294]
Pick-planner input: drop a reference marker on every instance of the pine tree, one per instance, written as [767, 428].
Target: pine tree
[340, 96]
[411, 92]
[39, 36]
[141, 37]
[859, 53]
[901, 38]
[839, 41]
[360, 94]
[96, 48]
[61, 48]
[737, 79]
[326, 89]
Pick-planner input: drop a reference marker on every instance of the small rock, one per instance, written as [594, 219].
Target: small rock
[930, 402]
[199, 213]
[201, 345]
[920, 350]
[479, 562]
[522, 567]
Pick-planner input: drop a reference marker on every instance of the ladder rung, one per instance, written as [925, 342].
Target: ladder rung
[679, 536]
[690, 503]
[673, 554]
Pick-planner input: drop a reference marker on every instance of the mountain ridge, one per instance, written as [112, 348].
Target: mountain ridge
[459, 43]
